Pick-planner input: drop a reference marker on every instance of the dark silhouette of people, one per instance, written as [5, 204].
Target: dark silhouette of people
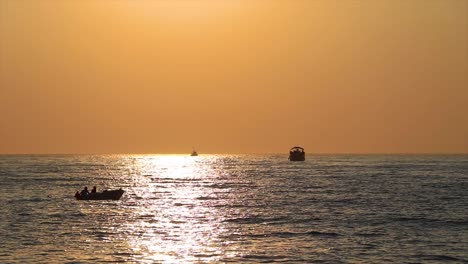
[93, 190]
[84, 192]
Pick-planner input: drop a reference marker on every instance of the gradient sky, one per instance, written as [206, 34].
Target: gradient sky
[234, 76]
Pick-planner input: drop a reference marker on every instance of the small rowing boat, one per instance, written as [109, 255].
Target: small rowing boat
[104, 195]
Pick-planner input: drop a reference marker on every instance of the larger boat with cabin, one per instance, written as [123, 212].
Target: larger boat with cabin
[296, 154]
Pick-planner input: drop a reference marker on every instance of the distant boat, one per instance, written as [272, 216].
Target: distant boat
[296, 154]
[194, 153]
[104, 195]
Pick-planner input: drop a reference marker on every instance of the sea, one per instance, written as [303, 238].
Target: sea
[235, 208]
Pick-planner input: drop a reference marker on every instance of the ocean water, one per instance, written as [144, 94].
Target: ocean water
[235, 208]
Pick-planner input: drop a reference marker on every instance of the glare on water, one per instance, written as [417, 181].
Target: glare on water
[172, 218]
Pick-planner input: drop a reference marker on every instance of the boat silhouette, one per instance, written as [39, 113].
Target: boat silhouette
[296, 154]
[104, 195]
[194, 153]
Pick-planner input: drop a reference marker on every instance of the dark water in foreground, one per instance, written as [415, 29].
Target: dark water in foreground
[236, 208]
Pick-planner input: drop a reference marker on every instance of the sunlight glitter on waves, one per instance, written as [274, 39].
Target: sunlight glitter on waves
[175, 166]
[155, 173]
[175, 226]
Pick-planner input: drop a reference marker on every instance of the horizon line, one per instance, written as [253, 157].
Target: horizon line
[245, 153]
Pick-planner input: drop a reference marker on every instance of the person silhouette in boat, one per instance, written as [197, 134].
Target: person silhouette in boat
[93, 192]
[84, 192]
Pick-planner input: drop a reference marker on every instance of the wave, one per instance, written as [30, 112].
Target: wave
[457, 222]
[256, 220]
[268, 258]
[288, 234]
[369, 234]
[271, 220]
[439, 258]
[308, 233]
[432, 221]
[32, 199]
[45, 179]
[220, 186]
[413, 219]
[204, 198]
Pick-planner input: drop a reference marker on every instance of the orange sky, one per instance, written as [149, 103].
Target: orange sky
[234, 76]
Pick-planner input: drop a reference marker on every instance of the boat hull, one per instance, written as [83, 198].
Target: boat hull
[104, 195]
[297, 158]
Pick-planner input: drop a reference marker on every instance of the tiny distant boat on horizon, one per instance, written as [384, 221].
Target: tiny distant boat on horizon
[296, 154]
[194, 153]
[104, 195]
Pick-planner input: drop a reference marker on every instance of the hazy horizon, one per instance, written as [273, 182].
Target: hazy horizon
[245, 153]
[335, 77]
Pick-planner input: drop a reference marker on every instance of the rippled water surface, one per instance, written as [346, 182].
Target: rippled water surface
[235, 208]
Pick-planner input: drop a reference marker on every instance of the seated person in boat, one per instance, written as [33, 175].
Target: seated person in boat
[84, 192]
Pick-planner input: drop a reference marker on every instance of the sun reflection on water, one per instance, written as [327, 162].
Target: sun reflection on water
[173, 220]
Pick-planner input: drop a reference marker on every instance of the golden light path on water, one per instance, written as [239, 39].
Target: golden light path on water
[172, 213]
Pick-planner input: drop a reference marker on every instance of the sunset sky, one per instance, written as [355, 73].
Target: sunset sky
[234, 76]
